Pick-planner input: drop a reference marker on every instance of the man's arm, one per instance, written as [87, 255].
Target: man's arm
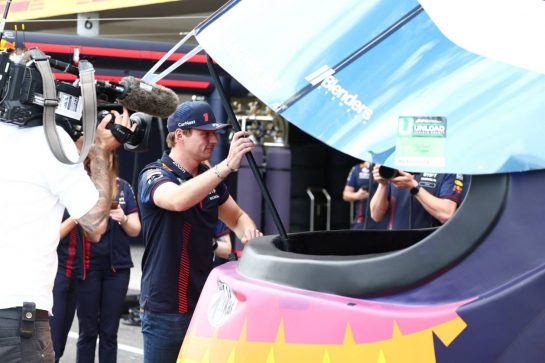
[379, 203]
[95, 221]
[224, 246]
[177, 198]
[351, 195]
[441, 209]
[238, 221]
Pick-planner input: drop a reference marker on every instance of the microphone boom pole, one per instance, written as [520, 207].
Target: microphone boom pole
[4, 18]
[251, 161]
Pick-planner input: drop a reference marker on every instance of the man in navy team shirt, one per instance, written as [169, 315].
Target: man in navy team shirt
[360, 187]
[180, 201]
[420, 200]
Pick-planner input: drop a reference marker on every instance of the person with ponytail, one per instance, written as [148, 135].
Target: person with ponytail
[101, 295]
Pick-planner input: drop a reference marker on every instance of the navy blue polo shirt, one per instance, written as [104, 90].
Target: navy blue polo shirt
[178, 245]
[360, 176]
[70, 252]
[220, 229]
[406, 212]
[113, 251]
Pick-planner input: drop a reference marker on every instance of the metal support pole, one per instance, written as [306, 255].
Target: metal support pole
[328, 198]
[4, 17]
[251, 161]
[313, 205]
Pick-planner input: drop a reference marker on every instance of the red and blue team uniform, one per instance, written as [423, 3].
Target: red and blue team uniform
[70, 271]
[407, 213]
[361, 176]
[178, 245]
[101, 295]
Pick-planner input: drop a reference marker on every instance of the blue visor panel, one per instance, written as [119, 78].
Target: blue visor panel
[377, 80]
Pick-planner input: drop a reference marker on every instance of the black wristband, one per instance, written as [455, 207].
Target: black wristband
[415, 190]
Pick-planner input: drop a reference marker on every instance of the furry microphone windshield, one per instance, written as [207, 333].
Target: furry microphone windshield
[148, 98]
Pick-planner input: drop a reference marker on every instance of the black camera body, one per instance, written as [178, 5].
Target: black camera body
[387, 172]
[19, 86]
[132, 140]
[22, 100]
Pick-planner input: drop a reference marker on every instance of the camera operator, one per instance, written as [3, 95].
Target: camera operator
[418, 200]
[36, 188]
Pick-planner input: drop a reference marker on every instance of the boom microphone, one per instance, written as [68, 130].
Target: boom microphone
[132, 93]
[148, 98]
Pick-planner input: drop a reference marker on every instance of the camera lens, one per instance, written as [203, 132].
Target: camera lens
[387, 173]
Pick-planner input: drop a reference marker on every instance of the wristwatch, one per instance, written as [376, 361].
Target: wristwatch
[415, 190]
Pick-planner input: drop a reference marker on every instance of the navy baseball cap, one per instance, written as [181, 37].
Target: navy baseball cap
[194, 115]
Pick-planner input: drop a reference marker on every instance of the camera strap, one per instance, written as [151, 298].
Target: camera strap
[88, 95]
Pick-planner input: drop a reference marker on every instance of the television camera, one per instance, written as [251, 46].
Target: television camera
[23, 100]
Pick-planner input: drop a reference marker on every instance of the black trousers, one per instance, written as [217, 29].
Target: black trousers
[101, 300]
[17, 349]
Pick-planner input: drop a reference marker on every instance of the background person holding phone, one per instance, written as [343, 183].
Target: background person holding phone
[419, 200]
[101, 293]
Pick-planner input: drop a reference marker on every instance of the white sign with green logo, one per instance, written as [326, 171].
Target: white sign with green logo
[421, 141]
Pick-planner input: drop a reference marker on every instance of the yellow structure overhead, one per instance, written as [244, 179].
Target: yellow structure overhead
[37, 9]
